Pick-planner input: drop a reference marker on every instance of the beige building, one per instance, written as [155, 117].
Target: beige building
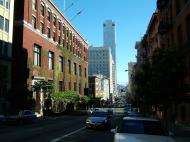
[6, 35]
[99, 87]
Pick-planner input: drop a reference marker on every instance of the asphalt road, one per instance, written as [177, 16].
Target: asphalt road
[55, 129]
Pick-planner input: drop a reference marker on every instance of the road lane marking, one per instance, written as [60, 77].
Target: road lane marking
[64, 136]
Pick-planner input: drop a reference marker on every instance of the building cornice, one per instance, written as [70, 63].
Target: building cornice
[56, 8]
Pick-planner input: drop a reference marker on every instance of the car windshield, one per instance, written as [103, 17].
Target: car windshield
[98, 114]
[141, 127]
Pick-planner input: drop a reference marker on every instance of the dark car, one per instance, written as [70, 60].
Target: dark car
[26, 116]
[99, 119]
[2, 119]
[134, 114]
[22, 116]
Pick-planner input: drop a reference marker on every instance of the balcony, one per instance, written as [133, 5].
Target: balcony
[162, 4]
[164, 28]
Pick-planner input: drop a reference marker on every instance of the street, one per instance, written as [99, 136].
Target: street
[54, 129]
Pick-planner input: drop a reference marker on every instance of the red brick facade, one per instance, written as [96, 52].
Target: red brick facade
[170, 27]
[64, 41]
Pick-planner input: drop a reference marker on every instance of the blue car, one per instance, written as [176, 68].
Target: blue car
[2, 119]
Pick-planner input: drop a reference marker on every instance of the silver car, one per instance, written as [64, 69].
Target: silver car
[140, 129]
[99, 119]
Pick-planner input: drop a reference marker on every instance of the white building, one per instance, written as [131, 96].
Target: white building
[109, 40]
[100, 62]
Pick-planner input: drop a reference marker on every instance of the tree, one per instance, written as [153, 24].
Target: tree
[161, 80]
[168, 75]
[66, 100]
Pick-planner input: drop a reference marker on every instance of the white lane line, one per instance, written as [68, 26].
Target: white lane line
[71, 133]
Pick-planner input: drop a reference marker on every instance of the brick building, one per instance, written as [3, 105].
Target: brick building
[174, 31]
[170, 27]
[174, 22]
[46, 47]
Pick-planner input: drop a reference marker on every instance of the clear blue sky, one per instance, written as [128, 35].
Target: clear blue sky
[130, 16]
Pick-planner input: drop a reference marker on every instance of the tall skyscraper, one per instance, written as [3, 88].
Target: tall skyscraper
[109, 37]
[110, 42]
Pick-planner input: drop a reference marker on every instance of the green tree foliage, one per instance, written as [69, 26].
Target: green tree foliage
[161, 80]
[66, 96]
[43, 85]
[169, 69]
[84, 99]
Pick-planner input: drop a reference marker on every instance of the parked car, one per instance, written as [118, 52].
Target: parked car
[99, 119]
[2, 119]
[140, 129]
[22, 116]
[134, 114]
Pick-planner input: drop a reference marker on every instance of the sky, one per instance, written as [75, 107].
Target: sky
[131, 18]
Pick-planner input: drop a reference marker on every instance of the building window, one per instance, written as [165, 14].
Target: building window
[179, 35]
[42, 27]
[69, 66]
[42, 9]
[63, 30]
[67, 33]
[50, 60]
[80, 70]
[6, 25]
[69, 85]
[67, 45]
[34, 22]
[7, 4]
[53, 36]
[54, 20]
[75, 86]
[85, 72]
[37, 55]
[80, 88]
[49, 15]
[188, 27]
[1, 22]
[70, 36]
[34, 4]
[61, 86]
[2, 2]
[75, 68]
[60, 64]
[48, 32]
[59, 25]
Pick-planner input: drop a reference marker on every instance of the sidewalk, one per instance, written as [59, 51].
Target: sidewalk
[182, 133]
